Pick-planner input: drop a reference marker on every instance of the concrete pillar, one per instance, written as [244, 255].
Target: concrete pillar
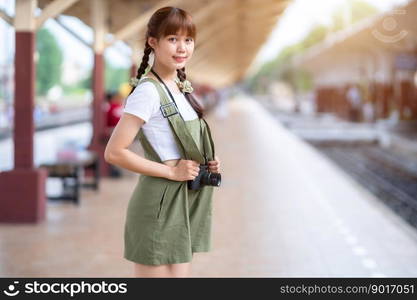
[388, 99]
[414, 103]
[133, 70]
[99, 140]
[405, 96]
[137, 53]
[373, 100]
[345, 106]
[319, 99]
[383, 98]
[22, 190]
[331, 95]
[404, 93]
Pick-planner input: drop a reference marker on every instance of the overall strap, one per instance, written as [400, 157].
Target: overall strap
[207, 139]
[149, 152]
[177, 123]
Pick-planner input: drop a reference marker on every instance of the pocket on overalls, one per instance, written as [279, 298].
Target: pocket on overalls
[161, 202]
[172, 205]
[148, 198]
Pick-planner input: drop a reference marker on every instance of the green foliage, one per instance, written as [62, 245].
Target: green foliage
[114, 76]
[359, 10]
[76, 89]
[49, 64]
[317, 34]
[86, 83]
[281, 68]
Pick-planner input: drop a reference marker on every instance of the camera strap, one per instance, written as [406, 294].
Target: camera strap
[181, 133]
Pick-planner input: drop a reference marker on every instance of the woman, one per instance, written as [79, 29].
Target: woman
[166, 221]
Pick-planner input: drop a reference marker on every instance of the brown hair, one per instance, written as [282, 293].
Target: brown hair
[166, 21]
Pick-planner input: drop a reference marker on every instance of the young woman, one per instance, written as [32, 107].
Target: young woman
[166, 220]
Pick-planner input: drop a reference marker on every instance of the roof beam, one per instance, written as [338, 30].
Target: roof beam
[215, 78]
[24, 19]
[137, 24]
[6, 17]
[251, 37]
[229, 18]
[99, 14]
[52, 10]
[72, 32]
[203, 13]
[227, 59]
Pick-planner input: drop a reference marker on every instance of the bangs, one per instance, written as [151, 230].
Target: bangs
[178, 23]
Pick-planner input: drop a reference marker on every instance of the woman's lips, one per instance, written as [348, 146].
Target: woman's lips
[179, 59]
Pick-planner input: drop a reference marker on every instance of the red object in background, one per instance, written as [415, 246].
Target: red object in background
[53, 108]
[114, 113]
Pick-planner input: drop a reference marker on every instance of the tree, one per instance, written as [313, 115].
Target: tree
[280, 68]
[114, 77]
[316, 35]
[49, 64]
[356, 10]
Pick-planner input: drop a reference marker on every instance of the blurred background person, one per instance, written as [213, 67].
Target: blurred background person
[113, 112]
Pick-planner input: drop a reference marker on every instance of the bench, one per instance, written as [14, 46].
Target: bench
[70, 166]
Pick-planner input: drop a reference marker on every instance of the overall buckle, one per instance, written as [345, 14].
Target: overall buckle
[169, 109]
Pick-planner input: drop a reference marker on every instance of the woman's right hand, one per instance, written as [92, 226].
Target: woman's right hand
[185, 170]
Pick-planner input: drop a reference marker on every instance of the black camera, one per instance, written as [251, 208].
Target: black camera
[204, 177]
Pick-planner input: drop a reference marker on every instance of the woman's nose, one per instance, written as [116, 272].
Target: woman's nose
[181, 46]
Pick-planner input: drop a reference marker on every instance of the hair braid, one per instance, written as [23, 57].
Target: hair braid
[181, 74]
[193, 102]
[144, 63]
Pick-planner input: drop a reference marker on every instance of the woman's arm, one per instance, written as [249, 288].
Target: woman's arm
[116, 153]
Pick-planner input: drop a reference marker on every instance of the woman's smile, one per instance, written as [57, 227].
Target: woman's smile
[180, 59]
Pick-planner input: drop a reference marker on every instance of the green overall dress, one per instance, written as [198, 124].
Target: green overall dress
[165, 221]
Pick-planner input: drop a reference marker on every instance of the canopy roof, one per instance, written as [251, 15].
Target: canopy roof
[394, 31]
[229, 33]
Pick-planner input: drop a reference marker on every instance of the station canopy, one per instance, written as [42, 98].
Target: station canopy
[230, 33]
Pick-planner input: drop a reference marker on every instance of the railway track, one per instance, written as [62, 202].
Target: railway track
[389, 176]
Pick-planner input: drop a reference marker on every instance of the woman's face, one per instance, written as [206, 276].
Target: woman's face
[173, 51]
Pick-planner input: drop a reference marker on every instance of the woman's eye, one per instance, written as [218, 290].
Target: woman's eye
[188, 40]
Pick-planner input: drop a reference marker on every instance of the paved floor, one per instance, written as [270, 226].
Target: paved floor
[283, 210]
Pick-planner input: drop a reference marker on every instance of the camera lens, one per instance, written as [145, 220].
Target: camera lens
[213, 179]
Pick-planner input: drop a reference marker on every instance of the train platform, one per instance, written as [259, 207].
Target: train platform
[328, 128]
[283, 210]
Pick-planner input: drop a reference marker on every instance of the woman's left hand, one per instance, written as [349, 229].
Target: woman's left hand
[214, 165]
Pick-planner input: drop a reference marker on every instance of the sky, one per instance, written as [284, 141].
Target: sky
[73, 49]
[296, 21]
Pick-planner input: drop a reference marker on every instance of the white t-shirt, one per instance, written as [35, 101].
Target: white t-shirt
[144, 103]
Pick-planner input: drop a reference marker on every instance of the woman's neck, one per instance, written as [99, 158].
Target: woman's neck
[165, 74]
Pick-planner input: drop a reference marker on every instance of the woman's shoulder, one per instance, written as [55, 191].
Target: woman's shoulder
[144, 94]
[146, 84]
[145, 89]
[143, 101]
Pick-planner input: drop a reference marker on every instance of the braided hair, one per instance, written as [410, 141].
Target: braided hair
[193, 102]
[144, 63]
